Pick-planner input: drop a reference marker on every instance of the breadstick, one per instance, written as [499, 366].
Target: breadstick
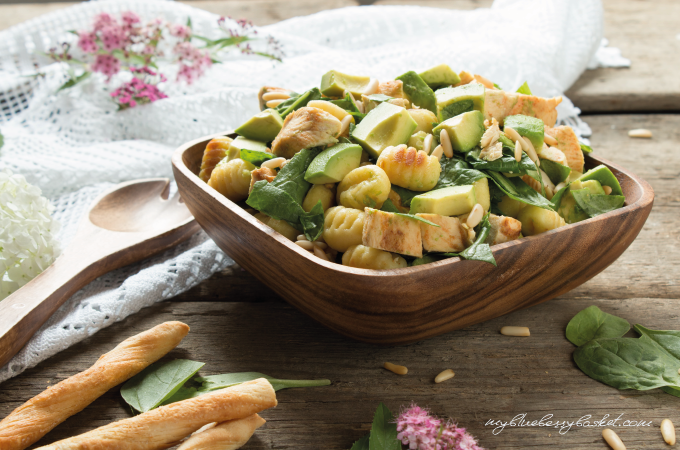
[163, 427]
[225, 436]
[35, 418]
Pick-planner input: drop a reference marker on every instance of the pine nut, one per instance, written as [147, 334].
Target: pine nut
[360, 107]
[512, 134]
[302, 237]
[640, 133]
[283, 164]
[273, 163]
[399, 370]
[445, 141]
[549, 139]
[372, 87]
[529, 148]
[427, 143]
[518, 151]
[305, 244]
[475, 216]
[275, 96]
[274, 103]
[607, 189]
[560, 186]
[444, 375]
[320, 253]
[321, 245]
[515, 331]
[613, 439]
[668, 431]
[344, 125]
[438, 152]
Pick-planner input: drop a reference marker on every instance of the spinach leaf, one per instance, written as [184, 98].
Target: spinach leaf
[517, 189]
[628, 363]
[405, 195]
[291, 179]
[455, 109]
[555, 171]
[383, 431]
[379, 98]
[456, 172]
[596, 204]
[671, 390]
[559, 195]
[362, 444]
[158, 382]
[255, 157]
[524, 89]
[669, 340]
[479, 250]
[388, 206]
[506, 163]
[593, 323]
[585, 148]
[312, 222]
[274, 202]
[296, 102]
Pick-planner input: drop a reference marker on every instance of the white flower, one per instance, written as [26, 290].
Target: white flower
[27, 233]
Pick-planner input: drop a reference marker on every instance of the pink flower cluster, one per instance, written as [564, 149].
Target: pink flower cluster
[422, 431]
[192, 61]
[139, 90]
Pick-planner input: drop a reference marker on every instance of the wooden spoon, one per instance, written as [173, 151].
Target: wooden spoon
[130, 222]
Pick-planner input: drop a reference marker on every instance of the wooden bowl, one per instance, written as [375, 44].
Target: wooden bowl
[406, 305]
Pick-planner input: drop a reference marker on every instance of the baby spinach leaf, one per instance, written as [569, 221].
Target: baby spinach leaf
[517, 189]
[669, 340]
[506, 163]
[362, 444]
[405, 195]
[479, 250]
[384, 431]
[158, 382]
[456, 172]
[296, 102]
[585, 148]
[559, 195]
[388, 206]
[455, 109]
[291, 179]
[274, 202]
[255, 157]
[312, 222]
[524, 89]
[671, 390]
[596, 204]
[380, 98]
[593, 323]
[555, 171]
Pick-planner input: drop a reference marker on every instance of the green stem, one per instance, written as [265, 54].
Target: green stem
[300, 383]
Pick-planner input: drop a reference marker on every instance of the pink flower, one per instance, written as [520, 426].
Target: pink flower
[139, 91]
[106, 64]
[113, 37]
[87, 42]
[421, 431]
[180, 31]
[102, 20]
[129, 18]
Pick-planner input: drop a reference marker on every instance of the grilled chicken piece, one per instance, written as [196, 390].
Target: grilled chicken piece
[503, 229]
[263, 173]
[392, 233]
[567, 142]
[553, 154]
[394, 88]
[307, 127]
[501, 104]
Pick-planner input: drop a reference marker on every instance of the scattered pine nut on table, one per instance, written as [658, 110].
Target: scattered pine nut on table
[444, 375]
[668, 431]
[399, 370]
[613, 439]
[515, 331]
[640, 133]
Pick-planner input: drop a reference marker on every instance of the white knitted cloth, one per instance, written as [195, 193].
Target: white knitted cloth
[74, 144]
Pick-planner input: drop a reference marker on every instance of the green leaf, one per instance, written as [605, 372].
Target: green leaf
[388, 206]
[296, 102]
[596, 204]
[312, 222]
[671, 390]
[213, 382]
[669, 340]
[506, 163]
[497, 87]
[524, 89]
[255, 157]
[291, 178]
[362, 444]
[517, 189]
[383, 431]
[559, 195]
[457, 108]
[274, 202]
[73, 81]
[555, 171]
[405, 195]
[380, 98]
[158, 382]
[593, 323]
[586, 148]
[479, 250]
[455, 172]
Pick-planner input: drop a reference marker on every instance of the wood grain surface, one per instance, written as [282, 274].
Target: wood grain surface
[239, 325]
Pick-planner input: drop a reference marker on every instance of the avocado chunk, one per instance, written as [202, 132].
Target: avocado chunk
[334, 84]
[263, 126]
[449, 201]
[241, 143]
[482, 193]
[333, 163]
[424, 119]
[569, 208]
[454, 101]
[531, 127]
[418, 92]
[464, 130]
[417, 141]
[440, 76]
[385, 126]
[605, 176]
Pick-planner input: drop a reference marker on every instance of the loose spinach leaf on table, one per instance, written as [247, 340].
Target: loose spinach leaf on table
[388, 206]
[158, 382]
[517, 189]
[384, 431]
[255, 157]
[480, 250]
[596, 204]
[593, 323]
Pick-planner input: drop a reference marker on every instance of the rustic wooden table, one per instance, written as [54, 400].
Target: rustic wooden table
[239, 325]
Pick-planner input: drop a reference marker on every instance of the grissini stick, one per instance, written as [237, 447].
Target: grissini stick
[225, 436]
[164, 427]
[35, 418]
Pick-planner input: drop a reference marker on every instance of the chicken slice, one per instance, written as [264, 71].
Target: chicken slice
[394, 88]
[501, 104]
[567, 142]
[263, 173]
[553, 154]
[307, 127]
[503, 229]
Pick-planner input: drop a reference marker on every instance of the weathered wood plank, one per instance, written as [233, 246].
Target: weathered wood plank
[497, 377]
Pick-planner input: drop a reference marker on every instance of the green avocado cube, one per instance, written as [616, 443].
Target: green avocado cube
[333, 163]
[464, 130]
[454, 101]
[385, 126]
[605, 176]
[334, 84]
[531, 127]
[440, 76]
[241, 143]
[418, 92]
[449, 201]
[263, 126]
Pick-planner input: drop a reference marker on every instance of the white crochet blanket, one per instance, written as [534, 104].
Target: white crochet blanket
[74, 144]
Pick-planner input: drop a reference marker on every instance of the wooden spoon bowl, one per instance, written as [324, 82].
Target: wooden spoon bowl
[406, 305]
[132, 221]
